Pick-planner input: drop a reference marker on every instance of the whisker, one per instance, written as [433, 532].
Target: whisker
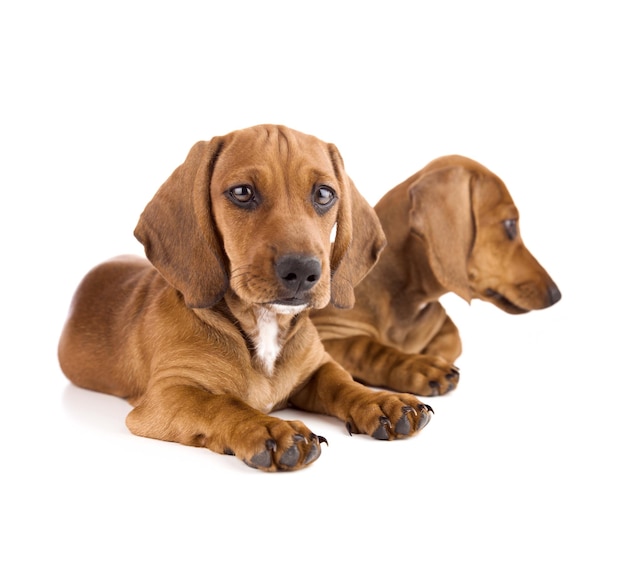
[241, 269]
[244, 279]
[240, 272]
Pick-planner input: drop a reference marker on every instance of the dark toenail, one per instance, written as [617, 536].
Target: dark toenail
[320, 439]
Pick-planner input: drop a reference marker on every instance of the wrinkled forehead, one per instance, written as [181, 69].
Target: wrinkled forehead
[269, 152]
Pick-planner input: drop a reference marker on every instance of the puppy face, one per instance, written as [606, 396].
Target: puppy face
[275, 197]
[253, 211]
[468, 222]
[501, 269]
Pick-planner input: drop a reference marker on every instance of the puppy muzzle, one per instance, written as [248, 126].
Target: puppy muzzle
[297, 275]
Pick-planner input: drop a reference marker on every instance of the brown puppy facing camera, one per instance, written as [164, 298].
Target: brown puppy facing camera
[451, 227]
[212, 332]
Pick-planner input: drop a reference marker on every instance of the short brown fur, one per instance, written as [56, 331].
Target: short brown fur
[446, 228]
[206, 339]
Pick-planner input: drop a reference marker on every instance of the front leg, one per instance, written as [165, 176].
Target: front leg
[381, 414]
[446, 342]
[376, 364]
[191, 415]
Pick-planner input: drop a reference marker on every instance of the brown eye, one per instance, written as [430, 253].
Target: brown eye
[510, 226]
[323, 198]
[242, 195]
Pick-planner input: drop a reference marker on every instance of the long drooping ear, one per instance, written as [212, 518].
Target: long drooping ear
[441, 215]
[178, 233]
[358, 242]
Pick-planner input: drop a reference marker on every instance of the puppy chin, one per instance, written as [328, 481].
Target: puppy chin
[286, 309]
[293, 306]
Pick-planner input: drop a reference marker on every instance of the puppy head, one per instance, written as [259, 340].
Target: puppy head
[469, 224]
[501, 269]
[253, 211]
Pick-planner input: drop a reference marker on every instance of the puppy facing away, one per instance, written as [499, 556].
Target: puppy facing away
[212, 332]
[451, 227]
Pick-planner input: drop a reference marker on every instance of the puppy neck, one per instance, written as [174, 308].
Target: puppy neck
[267, 327]
[420, 273]
[404, 266]
[272, 326]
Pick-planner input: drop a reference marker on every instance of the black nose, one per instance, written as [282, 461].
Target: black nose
[298, 273]
[554, 294]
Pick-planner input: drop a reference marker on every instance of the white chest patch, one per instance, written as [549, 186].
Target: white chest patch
[266, 340]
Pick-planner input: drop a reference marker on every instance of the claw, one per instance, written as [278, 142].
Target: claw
[408, 408]
[403, 425]
[349, 428]
[426, 415]
[316, 448]
[313, 453]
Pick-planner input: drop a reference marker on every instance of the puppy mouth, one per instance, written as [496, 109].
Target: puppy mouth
[288, 306]
[503, 303]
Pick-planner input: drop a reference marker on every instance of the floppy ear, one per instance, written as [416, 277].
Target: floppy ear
[441, 215]
[358, 242]
[178, 233]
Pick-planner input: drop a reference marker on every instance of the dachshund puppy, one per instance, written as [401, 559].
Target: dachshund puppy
[451, 227]
[213, 333]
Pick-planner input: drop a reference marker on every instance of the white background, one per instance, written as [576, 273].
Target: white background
[522, 468]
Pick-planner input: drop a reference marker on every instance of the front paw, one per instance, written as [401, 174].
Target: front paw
[281, 446]
[386, 415]
[424, 375]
